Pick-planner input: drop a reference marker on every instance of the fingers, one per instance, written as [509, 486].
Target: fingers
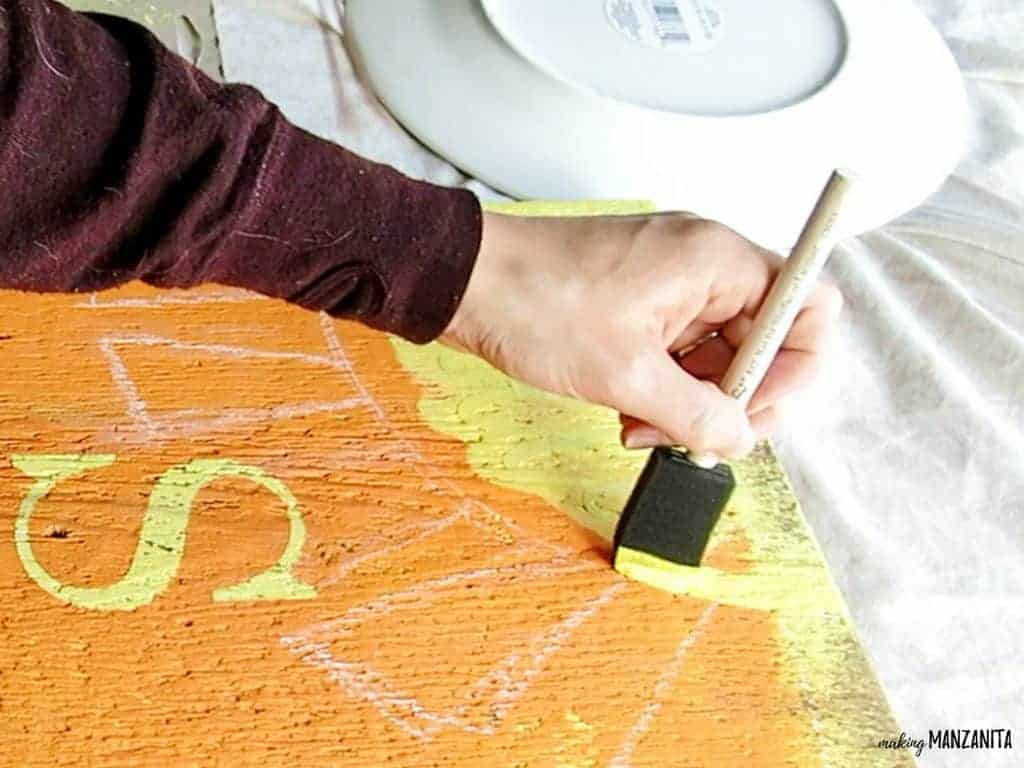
[708, 360]
[740, 277]
[765, 421]
[798, 361]
[812, 329]
[741, 274]
[636, 434]
[686, 411]
[790, 371]
[640, 434]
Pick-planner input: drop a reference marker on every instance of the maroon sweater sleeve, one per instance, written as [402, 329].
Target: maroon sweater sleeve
[120, 161]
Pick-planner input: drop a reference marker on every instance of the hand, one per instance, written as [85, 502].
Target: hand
[638, 313]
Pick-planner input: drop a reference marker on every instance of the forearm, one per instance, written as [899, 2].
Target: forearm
[120, 161]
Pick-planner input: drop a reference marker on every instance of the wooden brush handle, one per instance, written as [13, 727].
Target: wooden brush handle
[787, 295]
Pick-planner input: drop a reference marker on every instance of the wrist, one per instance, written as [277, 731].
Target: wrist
[502, 237]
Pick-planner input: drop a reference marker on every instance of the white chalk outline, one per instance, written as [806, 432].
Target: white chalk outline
[157, 302]
[149, 428]
[514, 674]
[134, 404]
[420, 531]
[661, 688]
[184, 422]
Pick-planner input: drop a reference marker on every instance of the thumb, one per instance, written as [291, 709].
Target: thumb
[692, 413]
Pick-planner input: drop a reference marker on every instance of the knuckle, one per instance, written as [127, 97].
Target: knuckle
[702, 432]
[715, 427]
[696, 231]
[711, 234]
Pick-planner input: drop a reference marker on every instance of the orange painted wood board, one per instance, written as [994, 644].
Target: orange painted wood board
[234, 531]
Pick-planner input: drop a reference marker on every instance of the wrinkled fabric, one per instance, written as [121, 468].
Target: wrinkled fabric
[908, 457]
[910, 465]
[120, 161]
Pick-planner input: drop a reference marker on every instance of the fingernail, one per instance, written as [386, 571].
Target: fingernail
[635, 442]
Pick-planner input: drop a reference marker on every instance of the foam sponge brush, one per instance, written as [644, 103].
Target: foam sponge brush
[679, 497]
[651, 520]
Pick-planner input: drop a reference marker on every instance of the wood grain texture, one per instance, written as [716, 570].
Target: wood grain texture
[456, 605]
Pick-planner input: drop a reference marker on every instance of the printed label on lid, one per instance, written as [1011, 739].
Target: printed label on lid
[689, 25]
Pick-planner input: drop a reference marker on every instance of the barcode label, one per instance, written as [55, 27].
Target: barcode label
[691, 26]
[669, 22]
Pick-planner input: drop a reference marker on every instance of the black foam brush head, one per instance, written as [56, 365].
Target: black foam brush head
[674, 507]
